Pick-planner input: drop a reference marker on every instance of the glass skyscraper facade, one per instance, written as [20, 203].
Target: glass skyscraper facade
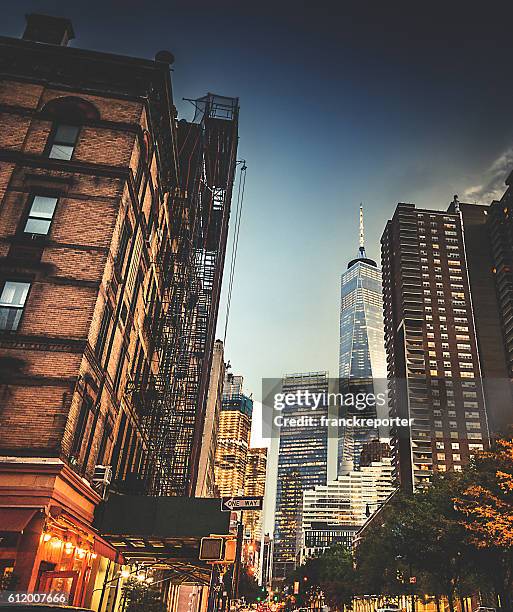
[302, 464]
[362, 359]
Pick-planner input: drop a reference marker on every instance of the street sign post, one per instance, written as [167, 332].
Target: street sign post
[232, 504]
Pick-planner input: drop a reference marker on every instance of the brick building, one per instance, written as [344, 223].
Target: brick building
[106, 316]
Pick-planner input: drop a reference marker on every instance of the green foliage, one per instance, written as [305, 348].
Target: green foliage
[331, 573]
[420, 535]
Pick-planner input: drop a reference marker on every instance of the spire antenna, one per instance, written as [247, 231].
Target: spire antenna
[361, 249]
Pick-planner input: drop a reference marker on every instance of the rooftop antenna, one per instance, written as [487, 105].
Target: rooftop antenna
[361, 250]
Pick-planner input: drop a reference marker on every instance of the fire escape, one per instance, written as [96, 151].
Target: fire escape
[197, 219]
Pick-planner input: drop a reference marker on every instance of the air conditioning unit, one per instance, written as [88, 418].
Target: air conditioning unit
[102, 475]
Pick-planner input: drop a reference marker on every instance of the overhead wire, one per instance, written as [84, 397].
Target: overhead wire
[235, 244]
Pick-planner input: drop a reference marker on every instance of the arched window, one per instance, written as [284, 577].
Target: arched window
[68, 114]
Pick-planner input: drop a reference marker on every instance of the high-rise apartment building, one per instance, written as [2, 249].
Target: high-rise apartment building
[500, 231]
[254, 485]
[302, 464]
[432, 351]
[480, 234]
[500, 226]
[233, 437]
[107, 314]
[362, 361]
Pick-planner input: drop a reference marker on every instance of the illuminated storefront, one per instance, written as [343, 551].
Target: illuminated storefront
[47, 542]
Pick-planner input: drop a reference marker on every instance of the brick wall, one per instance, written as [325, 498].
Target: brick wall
[73, 274]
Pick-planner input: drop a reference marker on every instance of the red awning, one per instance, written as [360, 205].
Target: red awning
[104, 549]
[16, 519]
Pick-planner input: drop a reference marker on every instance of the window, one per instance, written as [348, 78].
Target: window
[126, 233]
[102, 334]
[475, 447]
[12, 301]
[119, 368]
[106, 436]
[473, 425]
[40, 215]
[63, 140]
[80, 426]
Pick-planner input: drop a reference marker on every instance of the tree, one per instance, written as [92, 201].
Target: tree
[337, 577]
[420, 536]
[142, 597]
[330, 573]
[486, 504]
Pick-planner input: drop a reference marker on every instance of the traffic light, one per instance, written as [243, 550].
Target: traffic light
[211, 549]
[217, 549]
[230, 551]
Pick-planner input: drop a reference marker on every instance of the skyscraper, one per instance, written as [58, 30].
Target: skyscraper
[302, 464]
[233, 437]
[432, 351]
[500, 223]
[254, 485]
[362, 362]
[488, 250]
[346, 501]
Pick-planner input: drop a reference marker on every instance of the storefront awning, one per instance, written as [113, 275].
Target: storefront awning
[161, 517]
[14, 520]
[164, 532]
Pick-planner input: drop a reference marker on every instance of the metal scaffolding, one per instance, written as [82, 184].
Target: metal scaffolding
[197, 219]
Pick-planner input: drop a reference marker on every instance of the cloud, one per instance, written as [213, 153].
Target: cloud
[492, 187]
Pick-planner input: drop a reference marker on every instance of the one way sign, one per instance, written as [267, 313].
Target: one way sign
[232, 504]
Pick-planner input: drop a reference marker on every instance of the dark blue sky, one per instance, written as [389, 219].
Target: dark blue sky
[379, 103]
